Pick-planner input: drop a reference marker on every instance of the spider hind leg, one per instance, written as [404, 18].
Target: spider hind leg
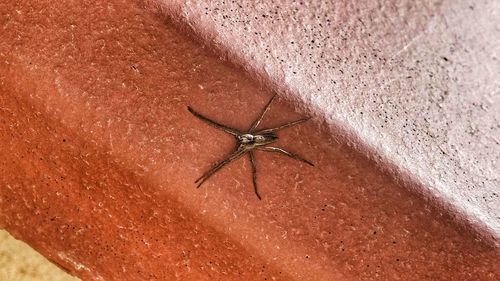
[287, 153]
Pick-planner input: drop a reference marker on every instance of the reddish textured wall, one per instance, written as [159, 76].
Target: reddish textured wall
[99, 155]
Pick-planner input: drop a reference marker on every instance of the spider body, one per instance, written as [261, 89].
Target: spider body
[248, 142]
[257, 139]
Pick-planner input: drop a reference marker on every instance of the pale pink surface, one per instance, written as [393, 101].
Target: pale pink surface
[416, 81]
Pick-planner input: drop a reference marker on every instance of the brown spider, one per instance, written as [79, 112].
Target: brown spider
[249, 141]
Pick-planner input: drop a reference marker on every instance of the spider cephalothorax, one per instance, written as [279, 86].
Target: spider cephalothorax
[249, 141]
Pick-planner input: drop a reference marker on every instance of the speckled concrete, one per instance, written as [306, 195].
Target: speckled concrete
[416, 81]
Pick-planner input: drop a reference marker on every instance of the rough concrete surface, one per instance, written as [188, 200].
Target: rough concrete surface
[100, 155]
[417, 81]
[19, 262]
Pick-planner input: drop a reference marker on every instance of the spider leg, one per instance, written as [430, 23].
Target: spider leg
[286, 125]
[214, 124]
[287, 153]
[235, 155]
[254, 174]
[264, 111]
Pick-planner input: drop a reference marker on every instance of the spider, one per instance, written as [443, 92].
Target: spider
[249, 141]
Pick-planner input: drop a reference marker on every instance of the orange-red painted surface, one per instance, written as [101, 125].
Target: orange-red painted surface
[99, 158]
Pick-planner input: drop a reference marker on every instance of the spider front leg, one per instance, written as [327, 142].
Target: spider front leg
[235, 155]
[287, 153]
[254, 174]
[214, 124]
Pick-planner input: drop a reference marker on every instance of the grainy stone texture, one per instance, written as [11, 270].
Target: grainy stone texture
[19, 262]
[417, 81]
[99, 155]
